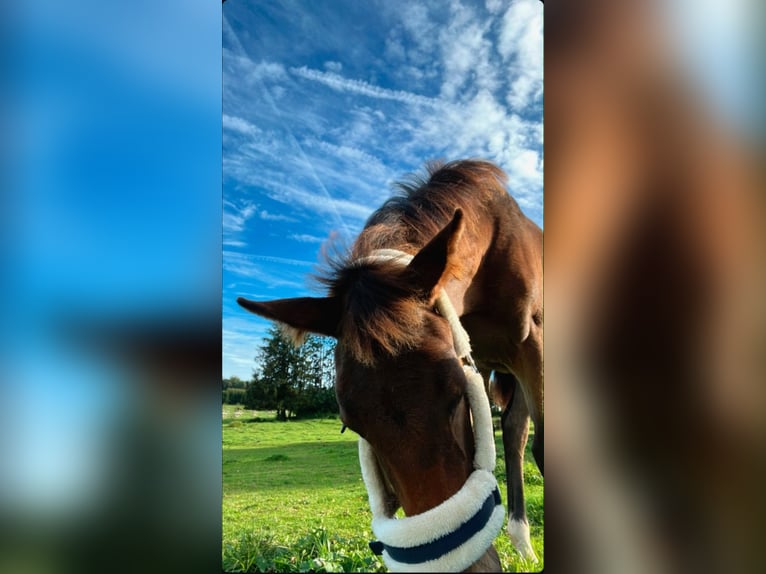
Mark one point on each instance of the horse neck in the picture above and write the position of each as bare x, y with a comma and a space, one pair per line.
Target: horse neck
486, 250
472, 250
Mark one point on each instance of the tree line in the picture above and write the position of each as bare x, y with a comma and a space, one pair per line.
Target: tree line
294, 382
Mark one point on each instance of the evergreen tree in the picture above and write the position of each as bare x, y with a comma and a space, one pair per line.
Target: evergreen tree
283, 372
293, 381
319, 352
258, 396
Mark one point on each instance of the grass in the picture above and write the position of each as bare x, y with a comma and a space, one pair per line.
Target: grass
294, 500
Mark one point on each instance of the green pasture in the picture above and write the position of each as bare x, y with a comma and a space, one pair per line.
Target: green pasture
294, 500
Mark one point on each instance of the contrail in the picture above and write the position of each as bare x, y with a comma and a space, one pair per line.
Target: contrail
302, 155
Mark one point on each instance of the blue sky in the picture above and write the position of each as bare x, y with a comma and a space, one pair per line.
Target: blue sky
113, 213
327, 103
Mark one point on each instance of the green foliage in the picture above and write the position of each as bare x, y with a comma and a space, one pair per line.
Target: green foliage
316, 551
234, 396
295, 382
234, 383
315, 401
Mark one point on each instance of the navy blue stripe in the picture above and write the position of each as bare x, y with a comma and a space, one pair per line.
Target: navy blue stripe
441, 546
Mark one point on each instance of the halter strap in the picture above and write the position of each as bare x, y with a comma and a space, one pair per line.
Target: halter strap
454, 534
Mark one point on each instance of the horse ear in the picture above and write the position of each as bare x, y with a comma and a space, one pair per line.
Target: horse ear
300, 315
437, 260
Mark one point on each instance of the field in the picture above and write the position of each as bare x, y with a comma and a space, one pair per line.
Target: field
294, 500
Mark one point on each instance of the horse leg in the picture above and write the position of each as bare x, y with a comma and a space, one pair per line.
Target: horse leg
530, 372
515, 423
537, 445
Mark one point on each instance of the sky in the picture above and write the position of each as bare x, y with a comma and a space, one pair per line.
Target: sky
112, 211
327, 103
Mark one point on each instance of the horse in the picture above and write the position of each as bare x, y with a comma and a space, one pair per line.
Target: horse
655, 251
455, 234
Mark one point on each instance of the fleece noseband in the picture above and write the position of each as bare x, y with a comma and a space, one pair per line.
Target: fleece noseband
456, 533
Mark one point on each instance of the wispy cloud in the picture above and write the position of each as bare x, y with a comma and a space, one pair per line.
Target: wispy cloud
268, 216
282, 260
235, 216
314, 135
239, 125
234, 220
306, 238
342, 84
520, 44
333, 66
466, 54
246, 266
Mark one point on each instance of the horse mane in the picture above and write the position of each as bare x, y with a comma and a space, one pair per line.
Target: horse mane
422, 205
383, 314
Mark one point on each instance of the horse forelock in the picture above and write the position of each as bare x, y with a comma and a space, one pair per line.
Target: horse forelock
382, 315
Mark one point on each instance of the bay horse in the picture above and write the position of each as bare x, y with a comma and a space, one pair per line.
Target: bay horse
399, 381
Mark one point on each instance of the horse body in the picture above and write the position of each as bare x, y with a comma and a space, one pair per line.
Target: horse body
497, 277
399, 382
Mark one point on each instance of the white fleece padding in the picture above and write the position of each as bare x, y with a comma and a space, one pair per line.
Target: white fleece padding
434, 523
460, 558
447, 517
484, 435
431, 524
459, 335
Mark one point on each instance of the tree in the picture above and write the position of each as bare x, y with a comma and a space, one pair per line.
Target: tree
258, 396
293, 381
283, 372
234, 383
234, 390
319, 353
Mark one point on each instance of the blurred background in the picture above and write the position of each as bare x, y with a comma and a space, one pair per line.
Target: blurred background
111, 276
111, 251
654, 279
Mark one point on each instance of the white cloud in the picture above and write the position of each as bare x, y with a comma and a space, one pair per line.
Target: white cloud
422, 29
354, 155
239, 125
265, 215
466, 54
306, 238
245, 265
235, 217
333, 66
282, 260
494, 6
250, 74
234, 221
342, 84
520, 43
394, 50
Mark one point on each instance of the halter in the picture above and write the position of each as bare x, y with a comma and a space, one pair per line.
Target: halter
457, 532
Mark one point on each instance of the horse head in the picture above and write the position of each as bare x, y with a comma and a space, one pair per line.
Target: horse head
402, 387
